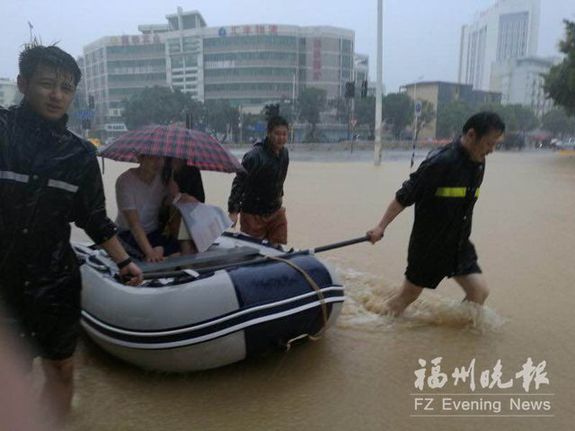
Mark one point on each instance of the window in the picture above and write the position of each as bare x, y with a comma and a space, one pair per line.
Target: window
249, 71
126, 50
253, 87
184, 61
256, 41
252, 56
346, 46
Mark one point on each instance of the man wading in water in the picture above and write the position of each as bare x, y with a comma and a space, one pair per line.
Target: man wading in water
444, 190
257, 194
49, 178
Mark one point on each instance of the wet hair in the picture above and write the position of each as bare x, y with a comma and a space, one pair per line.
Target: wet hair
277, 121
483, 123
35, 55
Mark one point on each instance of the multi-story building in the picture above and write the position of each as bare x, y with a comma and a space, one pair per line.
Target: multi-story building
520, 81
256, 64
507, 30
184, 57
115, 67
247, 65
9, 94
440, 94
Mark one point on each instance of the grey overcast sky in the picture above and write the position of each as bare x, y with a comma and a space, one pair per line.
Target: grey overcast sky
421, 37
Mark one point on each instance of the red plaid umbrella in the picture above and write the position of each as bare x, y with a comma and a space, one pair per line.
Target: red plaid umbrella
198, 148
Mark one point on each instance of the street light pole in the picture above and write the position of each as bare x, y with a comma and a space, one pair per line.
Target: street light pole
241, 125
293, 107
415, 121
379, 86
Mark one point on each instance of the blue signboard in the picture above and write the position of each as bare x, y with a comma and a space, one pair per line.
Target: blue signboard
86, 114
260, 127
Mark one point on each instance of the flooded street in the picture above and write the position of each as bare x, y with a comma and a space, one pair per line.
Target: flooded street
360, 376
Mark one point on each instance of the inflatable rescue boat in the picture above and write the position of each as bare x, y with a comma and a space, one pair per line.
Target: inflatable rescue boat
240, 298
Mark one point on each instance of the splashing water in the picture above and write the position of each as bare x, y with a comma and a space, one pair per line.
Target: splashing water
450, 312
367, 295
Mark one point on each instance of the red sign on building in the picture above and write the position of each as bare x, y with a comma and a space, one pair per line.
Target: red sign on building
316, 59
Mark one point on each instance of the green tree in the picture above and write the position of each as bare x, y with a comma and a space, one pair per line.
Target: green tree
221, 118
270, 110
365, 111
517, 118
560, 81
342, 108
558, 122
426, 117
397, 110
249, 122
451, 118
282, 108
311, 102
155, 105
194, 110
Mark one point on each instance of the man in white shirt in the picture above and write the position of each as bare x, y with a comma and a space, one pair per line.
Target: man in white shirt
140, 193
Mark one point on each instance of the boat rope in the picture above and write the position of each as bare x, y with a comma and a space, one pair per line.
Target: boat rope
315, 287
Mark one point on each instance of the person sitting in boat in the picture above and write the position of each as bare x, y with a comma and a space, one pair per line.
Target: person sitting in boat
140, 193
185, 186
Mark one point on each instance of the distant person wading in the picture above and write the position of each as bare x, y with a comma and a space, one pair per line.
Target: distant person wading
257, 194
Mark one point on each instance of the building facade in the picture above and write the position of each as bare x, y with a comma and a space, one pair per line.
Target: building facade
440, 94
248, 65
115, 67
9, 94
520, 81
507, 30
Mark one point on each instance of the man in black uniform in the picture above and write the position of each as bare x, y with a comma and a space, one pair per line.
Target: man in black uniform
49, 178
444, 189
257, 194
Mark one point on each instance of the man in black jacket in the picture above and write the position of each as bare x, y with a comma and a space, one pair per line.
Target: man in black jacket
444, 189
257, 194
49, 178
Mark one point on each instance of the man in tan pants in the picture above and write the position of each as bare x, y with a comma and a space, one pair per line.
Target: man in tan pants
257, 194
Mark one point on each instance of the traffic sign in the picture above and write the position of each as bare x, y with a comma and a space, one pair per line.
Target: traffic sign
85, 114
260, 127
418, 108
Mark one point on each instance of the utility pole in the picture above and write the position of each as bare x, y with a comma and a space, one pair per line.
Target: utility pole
379, 87
241, 125
293, 119
417, 106
349, 96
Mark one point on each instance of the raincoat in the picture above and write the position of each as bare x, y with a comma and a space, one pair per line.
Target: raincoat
49, 178
260, 190
444, 189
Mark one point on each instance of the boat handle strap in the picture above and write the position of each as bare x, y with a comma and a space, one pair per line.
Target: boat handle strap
315, 287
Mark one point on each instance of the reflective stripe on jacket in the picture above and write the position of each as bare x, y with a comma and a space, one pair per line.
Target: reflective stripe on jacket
444, 190
49, 178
